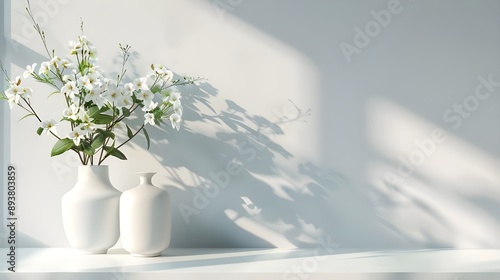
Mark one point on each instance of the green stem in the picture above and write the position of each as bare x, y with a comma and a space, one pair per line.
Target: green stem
108, 154
36, 26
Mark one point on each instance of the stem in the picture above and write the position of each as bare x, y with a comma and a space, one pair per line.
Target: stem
4, 71
133, 135
102, 152
107, 155
36, 26
132, 109
126, 56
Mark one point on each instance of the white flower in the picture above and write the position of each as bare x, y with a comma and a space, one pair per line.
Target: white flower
175, 119
159, 69
145, 96
95, 96
13, 95
149, 118
74, 47
13, 90
13, 100
83, 39
71, 112
83, 116
16, 81
66, 64
50, 126
150, 106
178, 110
30, 70
26, 92
44, 68
141, 83
175, 98
126, 101
76, 135
70, 89
93, 53
86, 128
56, 61
168, 76
85, 82
94, 79
128, 88
112, 94
67, 78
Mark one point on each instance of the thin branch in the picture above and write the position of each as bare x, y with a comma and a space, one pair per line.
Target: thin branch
37, 28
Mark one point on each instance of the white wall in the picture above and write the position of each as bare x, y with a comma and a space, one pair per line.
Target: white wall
325, 168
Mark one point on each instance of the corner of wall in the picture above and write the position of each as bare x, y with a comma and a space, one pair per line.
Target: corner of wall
4, 110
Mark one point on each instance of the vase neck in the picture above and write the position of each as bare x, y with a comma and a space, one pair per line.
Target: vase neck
93, 172
145, 178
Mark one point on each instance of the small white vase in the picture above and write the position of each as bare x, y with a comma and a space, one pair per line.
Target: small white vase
145, 218
90, 211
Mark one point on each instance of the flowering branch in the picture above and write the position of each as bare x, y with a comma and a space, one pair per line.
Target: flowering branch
94, 105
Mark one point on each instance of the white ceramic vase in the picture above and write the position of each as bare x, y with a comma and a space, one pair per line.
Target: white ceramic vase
145, 218
90, 211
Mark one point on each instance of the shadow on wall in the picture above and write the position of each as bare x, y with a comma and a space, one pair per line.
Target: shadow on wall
241, 197
250, 191
422, 212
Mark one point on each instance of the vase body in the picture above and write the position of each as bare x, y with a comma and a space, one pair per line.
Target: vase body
90, 211
145, 218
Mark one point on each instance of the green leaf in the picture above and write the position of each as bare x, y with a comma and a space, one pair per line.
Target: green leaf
115, 152
156, 89
61, 146
87, 148
126, 112
3, 97
129, 132
103, 119
100, 139
147, 137
28, 115
94, 111
97, 142
39, 131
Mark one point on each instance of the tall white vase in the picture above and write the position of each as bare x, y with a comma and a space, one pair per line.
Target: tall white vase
145, 218
90, 211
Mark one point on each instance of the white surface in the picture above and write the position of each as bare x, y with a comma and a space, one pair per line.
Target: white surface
286, 264
264, 260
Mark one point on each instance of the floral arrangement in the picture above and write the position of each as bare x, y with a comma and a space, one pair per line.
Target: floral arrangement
96, 104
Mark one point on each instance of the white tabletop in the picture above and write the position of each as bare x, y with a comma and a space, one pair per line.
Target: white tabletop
63, 263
